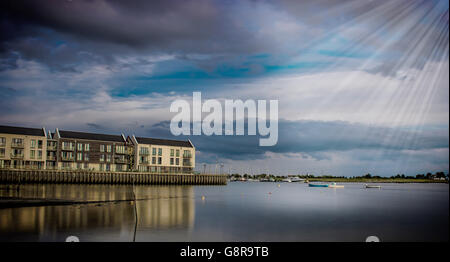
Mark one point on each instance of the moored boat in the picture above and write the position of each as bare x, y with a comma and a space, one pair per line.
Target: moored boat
372, 186
333, 185
318, 185
288, 180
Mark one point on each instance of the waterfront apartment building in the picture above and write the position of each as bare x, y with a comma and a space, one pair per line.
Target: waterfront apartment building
22, 147
162, 155
33, 148
90, 151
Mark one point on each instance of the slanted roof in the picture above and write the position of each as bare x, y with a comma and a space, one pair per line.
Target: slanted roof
163, 142
90, 136
22, 130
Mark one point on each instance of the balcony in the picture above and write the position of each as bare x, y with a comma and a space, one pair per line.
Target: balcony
187, 155
17, 156
68, 148
120, 161
51, 147
187, 163
67, 158
121, 153
53, 158
2, 144
144, 153
17, 145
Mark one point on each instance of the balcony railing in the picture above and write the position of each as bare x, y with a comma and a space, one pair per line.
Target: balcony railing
145, 153
51, 147
2, 144
187, 164
187, 155
68, 148
67, 158
17, 156
51, 157
15, 144
120, 160
121, 153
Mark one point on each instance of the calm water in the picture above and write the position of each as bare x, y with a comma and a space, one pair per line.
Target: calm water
240, 211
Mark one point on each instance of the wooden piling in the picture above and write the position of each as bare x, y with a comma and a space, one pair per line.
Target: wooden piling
92, 177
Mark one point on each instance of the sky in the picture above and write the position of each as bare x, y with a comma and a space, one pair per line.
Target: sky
363, 86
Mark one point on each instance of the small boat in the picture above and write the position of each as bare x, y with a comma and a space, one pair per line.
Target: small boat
333, 185
372, 186
297, 179
318, 185
288, 180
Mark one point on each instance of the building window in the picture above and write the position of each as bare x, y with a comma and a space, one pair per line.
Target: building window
178, 153
32, 154
2, 141
67, 145
102, 158
144, 151
67, 155
2, 152
154, 160
101, 167
159, 160
108, 158
120, 149
39, 156
154, 151
177, 161
33, 143
86, 166
108, 167
40, 144
17, 141
187, 153
86, 157
108, 148
159, 151
102, 148
172, 152
80, 147
86, 147
80, 156
171, 161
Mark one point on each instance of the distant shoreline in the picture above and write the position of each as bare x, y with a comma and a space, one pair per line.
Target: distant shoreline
376, 180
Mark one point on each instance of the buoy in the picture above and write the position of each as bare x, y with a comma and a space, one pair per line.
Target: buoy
203, 197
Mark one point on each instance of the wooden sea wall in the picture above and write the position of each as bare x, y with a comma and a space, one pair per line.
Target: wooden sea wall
93, 177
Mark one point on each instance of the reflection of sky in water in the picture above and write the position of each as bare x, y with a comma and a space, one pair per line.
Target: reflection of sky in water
236, 212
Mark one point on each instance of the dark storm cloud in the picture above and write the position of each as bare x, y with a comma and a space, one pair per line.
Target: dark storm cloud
196, 26
67, 34
314, 138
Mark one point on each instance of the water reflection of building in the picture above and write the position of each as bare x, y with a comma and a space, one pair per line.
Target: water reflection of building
172, 207
164, 207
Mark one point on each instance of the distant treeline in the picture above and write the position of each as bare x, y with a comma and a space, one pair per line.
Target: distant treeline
437, 175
